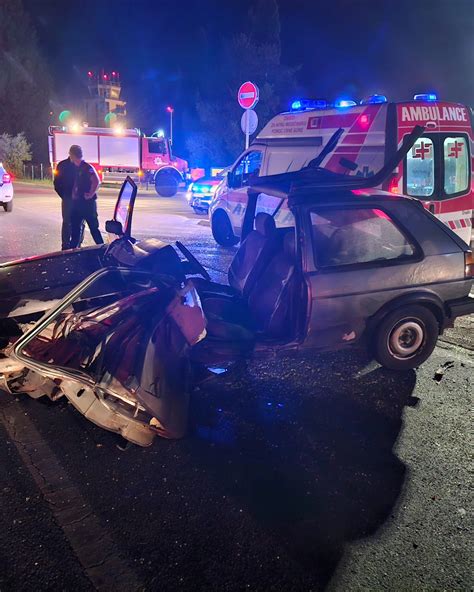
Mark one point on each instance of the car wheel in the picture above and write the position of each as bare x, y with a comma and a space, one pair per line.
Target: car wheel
166, 184
8, 207
222, 229
406, 337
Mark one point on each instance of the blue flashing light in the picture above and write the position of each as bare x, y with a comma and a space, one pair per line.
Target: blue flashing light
303, 104
375, 100
342, 103
426, 97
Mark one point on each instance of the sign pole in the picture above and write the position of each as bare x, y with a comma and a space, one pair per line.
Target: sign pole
247, 97
247, 132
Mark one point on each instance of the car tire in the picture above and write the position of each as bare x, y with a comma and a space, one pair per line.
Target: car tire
166, 184
8, 207
222, 230
405, 338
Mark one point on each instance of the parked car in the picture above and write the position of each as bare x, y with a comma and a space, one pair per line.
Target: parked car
6, 189
353, 265
200, 192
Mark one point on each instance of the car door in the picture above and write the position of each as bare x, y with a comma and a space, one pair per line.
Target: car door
249, 165
361, 258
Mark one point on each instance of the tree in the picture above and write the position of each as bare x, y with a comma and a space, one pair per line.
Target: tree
14, 152
25, 84
252, 55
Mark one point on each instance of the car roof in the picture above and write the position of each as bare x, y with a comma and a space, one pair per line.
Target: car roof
315, 183
318, 185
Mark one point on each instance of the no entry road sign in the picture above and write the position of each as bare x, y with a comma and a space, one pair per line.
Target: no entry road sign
248, 95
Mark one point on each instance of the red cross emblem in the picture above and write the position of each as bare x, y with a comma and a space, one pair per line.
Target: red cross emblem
455, 149
421, 150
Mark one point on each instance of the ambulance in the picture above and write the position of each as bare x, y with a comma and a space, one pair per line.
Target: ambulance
437, 170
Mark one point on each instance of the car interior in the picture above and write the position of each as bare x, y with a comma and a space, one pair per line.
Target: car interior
259, 301
263, 279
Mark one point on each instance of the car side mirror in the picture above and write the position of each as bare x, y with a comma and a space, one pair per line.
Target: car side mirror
114, 227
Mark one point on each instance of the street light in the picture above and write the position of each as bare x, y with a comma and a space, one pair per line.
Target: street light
170, 110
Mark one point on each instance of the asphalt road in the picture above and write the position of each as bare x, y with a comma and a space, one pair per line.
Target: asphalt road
322, 473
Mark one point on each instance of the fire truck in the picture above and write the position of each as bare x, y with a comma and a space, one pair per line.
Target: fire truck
116, 152
437, 170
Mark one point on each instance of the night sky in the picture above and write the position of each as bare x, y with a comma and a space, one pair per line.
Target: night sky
393, 47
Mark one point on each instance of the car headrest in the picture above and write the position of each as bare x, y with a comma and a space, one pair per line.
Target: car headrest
264, 224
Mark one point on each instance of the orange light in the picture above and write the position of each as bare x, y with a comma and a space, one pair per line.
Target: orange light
393, 187
469, 264
55, 172
140, 173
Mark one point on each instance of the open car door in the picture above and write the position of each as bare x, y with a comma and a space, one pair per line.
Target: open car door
121, 223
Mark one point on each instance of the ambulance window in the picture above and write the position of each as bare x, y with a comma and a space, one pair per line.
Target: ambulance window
420, 169
456, 165
249, 165
357, 235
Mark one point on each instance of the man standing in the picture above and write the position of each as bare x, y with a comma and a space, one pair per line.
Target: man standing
64, 178
84, 199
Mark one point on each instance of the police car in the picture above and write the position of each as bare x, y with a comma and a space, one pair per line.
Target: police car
201, 191
437, 170
6, 189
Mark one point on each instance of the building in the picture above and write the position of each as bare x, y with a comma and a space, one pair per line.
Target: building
104, 107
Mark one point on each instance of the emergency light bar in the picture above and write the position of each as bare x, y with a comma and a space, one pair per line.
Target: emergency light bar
374, 100
426, 97
342, 103
303, 104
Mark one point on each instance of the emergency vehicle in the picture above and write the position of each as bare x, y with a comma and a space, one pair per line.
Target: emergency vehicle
118, 152
437, 170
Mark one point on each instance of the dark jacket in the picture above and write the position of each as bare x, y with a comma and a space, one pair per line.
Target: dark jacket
83, 181
70, 179
64, 178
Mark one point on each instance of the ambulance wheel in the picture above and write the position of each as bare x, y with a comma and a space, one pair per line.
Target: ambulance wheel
166, 184
405, 338
222, 229
8, 207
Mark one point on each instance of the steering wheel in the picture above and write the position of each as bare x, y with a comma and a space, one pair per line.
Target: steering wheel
195, 266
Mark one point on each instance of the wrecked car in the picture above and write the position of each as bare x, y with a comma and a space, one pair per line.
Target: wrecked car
128, 329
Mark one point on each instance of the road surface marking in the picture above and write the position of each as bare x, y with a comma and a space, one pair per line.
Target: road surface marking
93, 547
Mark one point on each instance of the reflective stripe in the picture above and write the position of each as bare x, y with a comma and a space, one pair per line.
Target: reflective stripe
458, 224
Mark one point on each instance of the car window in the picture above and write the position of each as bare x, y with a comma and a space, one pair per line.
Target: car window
249, 165
456, 165
356, 235
276, 207
420, 176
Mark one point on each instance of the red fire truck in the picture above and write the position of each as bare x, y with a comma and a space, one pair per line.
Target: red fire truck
117, 151
437, 170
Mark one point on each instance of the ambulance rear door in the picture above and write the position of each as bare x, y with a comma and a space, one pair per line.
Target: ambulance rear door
438, 169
